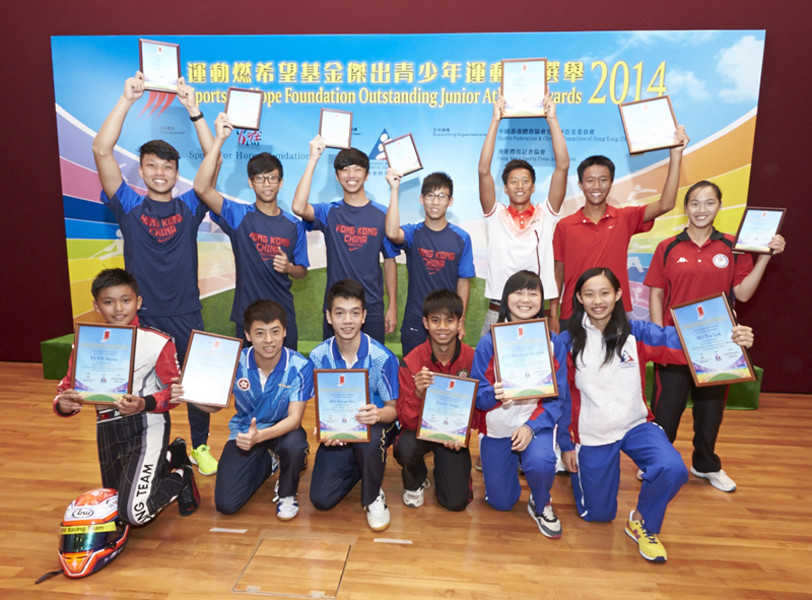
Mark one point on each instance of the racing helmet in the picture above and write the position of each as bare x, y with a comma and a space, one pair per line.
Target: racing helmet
91, 534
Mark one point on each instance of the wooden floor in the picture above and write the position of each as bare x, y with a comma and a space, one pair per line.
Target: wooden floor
755, 543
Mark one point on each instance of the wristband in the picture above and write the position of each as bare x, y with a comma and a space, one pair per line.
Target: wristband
196, 118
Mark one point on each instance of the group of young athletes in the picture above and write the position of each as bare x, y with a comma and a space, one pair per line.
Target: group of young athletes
577, 264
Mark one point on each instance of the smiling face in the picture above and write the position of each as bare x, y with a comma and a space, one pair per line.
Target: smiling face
524, 304
351, 178
346, 316
599, 298
160, 175
118, 304
596, 184
702, 206
436, 203
267, 339
266, 186
442, 328
519, 188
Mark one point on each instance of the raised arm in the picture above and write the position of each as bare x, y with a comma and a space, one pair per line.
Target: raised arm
108, 134
558, 181
390, 281
186, 96
393, 229
669, 195
300, 205
206, 177
555, 303
487, 188
747, 287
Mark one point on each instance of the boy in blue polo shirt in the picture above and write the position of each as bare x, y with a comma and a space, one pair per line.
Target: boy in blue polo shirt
354, 235
340, 466
438, 253
270, 245
160, 235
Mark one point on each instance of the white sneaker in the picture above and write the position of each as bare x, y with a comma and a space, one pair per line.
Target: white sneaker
415, 498
639, 474
718, 479
547, 521
378, 513
287, 508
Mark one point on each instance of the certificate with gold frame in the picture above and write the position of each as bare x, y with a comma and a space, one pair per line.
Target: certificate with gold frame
649, 124
244, 108
524, 85
447, 410
523, 359
160, 65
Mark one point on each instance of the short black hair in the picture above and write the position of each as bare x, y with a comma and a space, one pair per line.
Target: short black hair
701, 184
160, 149
111, 278
597, 159
443, 302
264, 162
264, 311
437, 181
346, 288
351, 156
518, 163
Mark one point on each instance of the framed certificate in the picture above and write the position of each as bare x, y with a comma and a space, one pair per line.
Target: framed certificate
160, 64
103, 361
339, 396
335, 127
524, 85
401, 154
649, 124
447, 411
244, 108
209, 368
523, 359
704, 328
757, 228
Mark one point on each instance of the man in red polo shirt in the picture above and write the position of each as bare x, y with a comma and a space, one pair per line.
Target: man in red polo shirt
598, 234
444, 353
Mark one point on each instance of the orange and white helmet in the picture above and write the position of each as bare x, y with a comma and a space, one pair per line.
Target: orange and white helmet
91, 534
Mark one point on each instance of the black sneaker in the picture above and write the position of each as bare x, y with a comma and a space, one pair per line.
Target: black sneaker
189, 497
177, 454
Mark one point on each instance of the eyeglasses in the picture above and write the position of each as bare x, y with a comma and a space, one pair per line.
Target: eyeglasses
259, 179
431, 196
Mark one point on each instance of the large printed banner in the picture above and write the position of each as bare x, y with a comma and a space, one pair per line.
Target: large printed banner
441, 89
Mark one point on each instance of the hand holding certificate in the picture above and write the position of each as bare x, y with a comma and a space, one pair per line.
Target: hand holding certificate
340, 396
523, 360
244, 108
524, 85
712, 342
649, 124
103, 362
209, 369
160, 64
335, 128
758, 228
448, 407
401, 154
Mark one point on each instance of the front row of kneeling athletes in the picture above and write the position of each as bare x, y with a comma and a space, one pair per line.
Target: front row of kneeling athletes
599, 362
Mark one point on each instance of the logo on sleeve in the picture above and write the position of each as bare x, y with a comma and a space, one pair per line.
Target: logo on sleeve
720, 261
243, 384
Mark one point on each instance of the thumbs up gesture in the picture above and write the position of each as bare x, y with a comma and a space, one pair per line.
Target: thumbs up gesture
245, 441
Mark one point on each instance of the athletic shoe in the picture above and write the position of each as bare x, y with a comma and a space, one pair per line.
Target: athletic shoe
274, 462
177, 454
415, 498
478, 463
287, 508
547, 521
206, 463
189, 497
718, 479
378, 513
639, 474
650, 547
